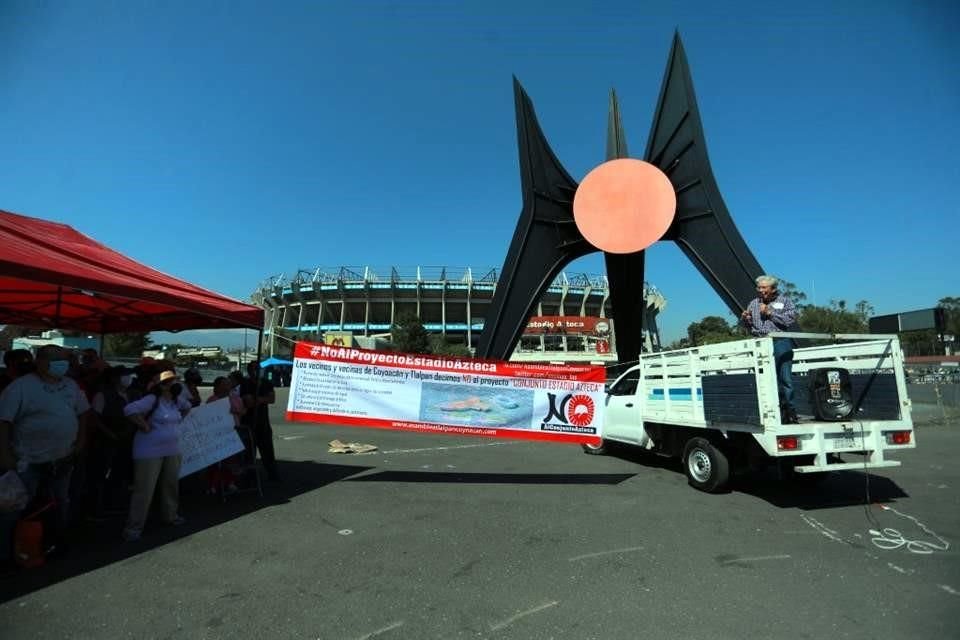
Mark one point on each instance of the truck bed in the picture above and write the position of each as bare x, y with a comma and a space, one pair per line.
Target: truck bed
731, 387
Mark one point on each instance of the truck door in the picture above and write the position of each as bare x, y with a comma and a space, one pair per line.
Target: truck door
622, 417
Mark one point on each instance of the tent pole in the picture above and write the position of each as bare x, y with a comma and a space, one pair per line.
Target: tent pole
56, 318
259, 355
103, 337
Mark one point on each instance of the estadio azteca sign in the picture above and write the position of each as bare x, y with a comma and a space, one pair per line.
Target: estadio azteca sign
589, 325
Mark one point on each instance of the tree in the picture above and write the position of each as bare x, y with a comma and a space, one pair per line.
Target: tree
865, 310
951, 307
710, 330
441, 347
834, 318
927, 342
791, 291
920, 343
126, 345
409, 335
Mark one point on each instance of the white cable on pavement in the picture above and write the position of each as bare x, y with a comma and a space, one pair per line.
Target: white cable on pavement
889, 539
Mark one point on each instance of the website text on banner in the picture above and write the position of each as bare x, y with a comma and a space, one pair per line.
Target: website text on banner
436, 394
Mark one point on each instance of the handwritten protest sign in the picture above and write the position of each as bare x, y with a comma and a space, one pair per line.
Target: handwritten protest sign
436, 394
207, 436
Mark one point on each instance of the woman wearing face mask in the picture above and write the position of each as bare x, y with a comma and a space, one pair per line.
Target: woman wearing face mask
43, 418
156, 452
110, 465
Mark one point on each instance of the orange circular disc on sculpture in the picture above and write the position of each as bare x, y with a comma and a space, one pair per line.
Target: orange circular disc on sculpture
624, 205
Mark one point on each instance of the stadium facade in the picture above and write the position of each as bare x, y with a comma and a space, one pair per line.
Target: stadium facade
570, 323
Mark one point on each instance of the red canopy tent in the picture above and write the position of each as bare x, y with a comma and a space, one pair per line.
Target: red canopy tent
54, 276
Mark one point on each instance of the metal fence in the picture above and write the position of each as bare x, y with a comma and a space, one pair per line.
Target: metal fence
936, 403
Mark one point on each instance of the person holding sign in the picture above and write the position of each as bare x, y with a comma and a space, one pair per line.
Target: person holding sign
156, 451
221, 475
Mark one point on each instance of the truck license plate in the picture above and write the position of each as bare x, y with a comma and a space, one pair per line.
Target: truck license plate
848, 441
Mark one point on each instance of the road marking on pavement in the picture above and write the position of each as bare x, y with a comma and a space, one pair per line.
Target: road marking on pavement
949, 590
605, 553
291, 437
782, 556
376, 633
823, 530
522, 614
459, 446
899, 569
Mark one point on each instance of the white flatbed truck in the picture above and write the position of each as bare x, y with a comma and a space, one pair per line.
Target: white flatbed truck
717, 408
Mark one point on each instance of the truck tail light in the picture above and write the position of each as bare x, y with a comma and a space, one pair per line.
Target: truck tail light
898, 437
788, 443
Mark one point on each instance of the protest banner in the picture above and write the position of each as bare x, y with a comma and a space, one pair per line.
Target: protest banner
207, 436
446, 395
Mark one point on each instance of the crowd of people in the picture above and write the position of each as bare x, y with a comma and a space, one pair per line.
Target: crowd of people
95, 440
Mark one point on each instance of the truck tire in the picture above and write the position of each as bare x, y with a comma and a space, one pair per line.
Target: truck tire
707, 468
595, 449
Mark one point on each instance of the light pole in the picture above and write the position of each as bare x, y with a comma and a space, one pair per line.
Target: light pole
244, 352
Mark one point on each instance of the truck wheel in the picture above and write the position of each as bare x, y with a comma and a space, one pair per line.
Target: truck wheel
707, 468
595, 449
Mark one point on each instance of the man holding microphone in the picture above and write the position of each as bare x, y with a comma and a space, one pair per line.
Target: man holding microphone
770, 312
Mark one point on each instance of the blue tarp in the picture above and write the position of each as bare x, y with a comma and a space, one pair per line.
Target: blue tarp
271, 361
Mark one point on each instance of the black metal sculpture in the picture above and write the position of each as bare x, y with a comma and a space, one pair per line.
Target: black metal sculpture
625, 271
547, 239
702, 227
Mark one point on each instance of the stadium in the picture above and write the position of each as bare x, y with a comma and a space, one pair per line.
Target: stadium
358, 305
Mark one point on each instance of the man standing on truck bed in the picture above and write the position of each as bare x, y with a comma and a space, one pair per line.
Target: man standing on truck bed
771, 311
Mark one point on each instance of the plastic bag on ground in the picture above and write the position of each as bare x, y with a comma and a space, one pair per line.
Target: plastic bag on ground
13, 493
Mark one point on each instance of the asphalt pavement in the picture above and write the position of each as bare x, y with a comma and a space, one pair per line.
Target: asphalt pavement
446, 537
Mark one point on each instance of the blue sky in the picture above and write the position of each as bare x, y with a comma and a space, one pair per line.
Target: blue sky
225, 142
